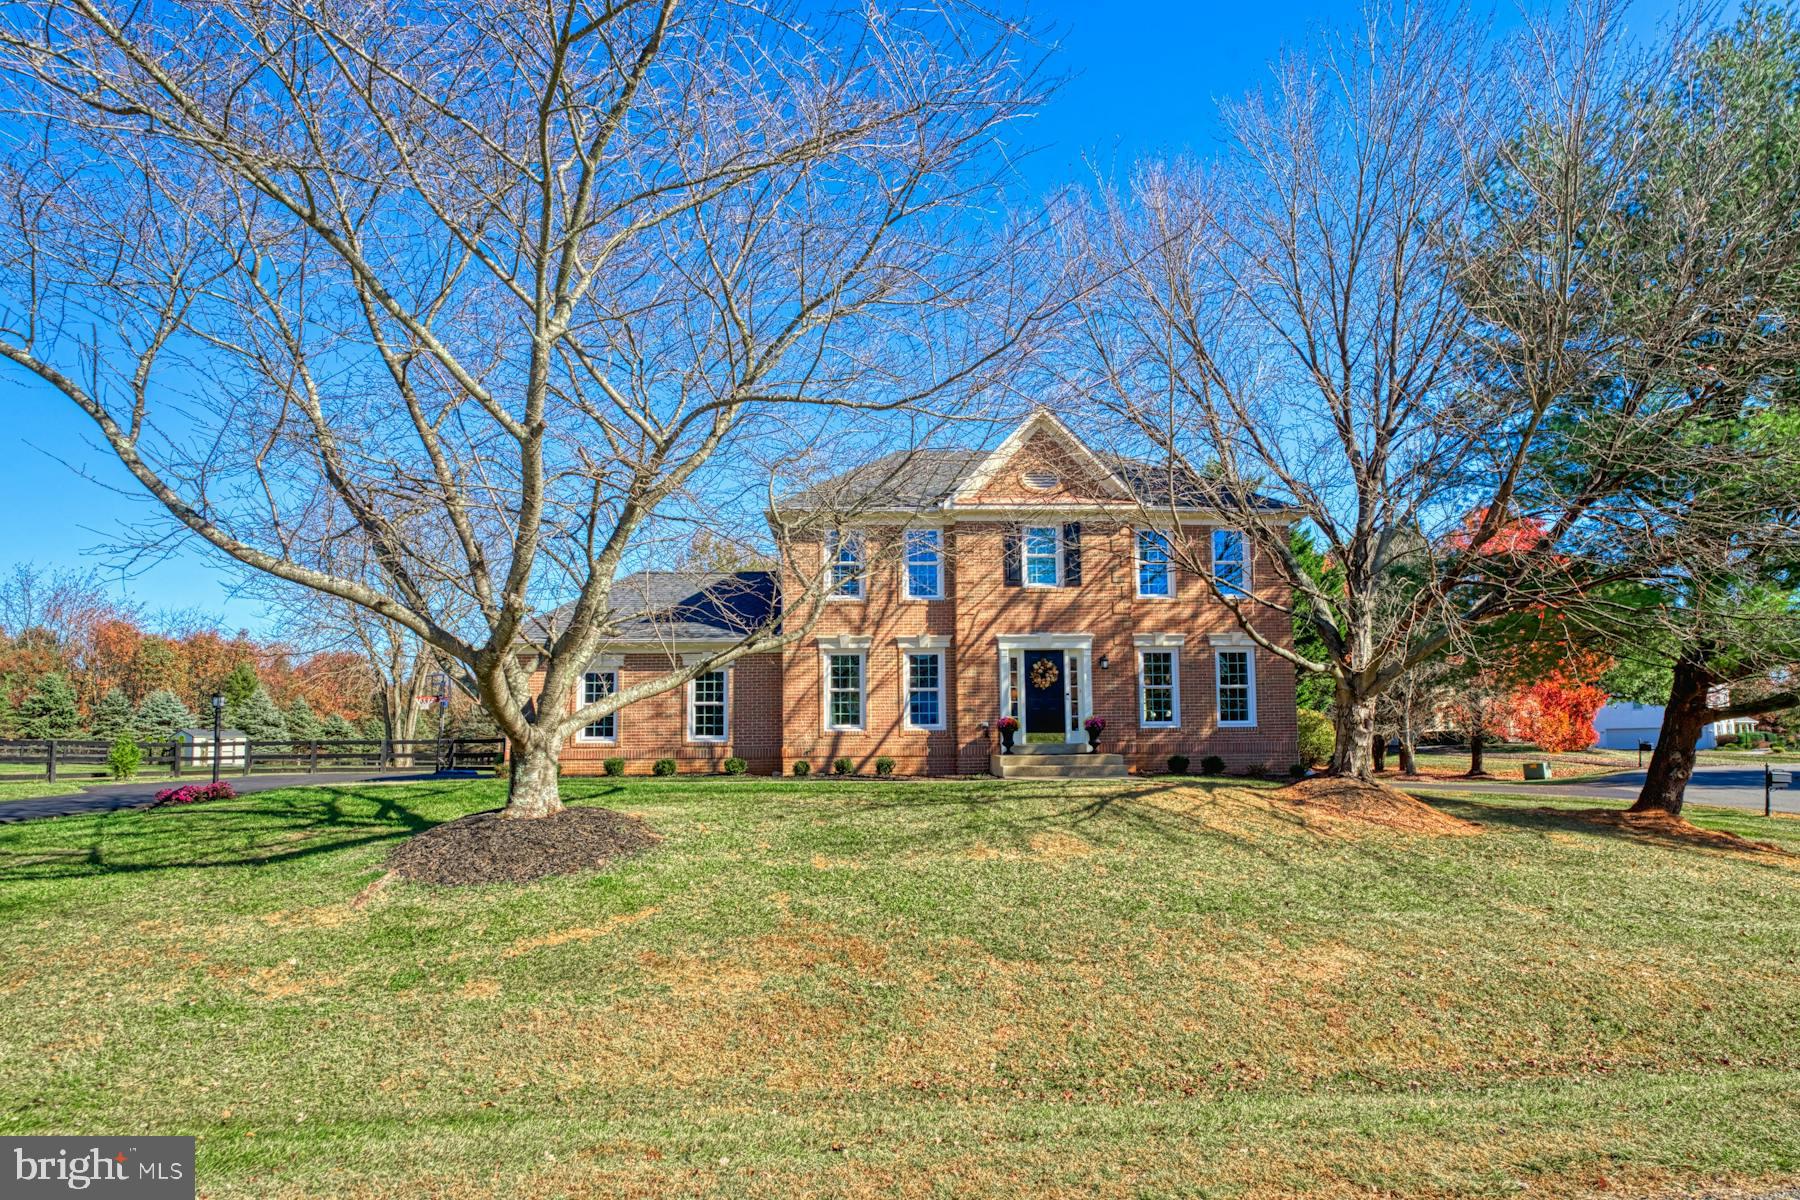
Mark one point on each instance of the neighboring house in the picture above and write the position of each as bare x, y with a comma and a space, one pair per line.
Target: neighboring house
1025, 581
1627, 725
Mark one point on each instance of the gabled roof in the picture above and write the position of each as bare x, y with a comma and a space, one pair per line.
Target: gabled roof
655, 607
920, 480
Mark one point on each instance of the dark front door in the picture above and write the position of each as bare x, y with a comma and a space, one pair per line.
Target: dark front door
1044, 691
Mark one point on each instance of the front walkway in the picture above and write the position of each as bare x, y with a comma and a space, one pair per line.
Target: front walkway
111, 797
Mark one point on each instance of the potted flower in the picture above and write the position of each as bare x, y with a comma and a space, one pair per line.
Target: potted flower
1007, 726
1094, 726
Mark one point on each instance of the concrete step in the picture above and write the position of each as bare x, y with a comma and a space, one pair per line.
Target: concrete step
1021, 748
1057, 766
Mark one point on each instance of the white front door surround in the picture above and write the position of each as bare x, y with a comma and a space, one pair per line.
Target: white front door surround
1079, 649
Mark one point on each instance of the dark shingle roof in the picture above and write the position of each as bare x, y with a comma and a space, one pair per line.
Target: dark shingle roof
664, 606
903, 479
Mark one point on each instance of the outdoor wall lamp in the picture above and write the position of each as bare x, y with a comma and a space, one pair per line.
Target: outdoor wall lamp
1103, 662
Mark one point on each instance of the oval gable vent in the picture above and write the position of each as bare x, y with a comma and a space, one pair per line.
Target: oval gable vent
1040, 481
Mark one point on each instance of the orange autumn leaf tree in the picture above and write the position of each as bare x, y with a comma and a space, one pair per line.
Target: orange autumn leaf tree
1556, 713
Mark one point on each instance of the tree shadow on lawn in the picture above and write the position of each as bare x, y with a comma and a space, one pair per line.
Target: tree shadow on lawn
248, 832
1610, 821
1015, 812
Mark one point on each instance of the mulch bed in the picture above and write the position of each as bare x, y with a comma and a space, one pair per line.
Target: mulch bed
1667, 827
1373, 804
486, 848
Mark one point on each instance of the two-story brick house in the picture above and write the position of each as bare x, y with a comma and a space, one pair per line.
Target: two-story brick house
1034, 580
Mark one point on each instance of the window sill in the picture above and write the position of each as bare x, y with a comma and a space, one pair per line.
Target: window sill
1159, 724
846, 729
1237, 724
583, 740
707, 741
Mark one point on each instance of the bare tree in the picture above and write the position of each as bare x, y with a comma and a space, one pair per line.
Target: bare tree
506, 291
1371, 309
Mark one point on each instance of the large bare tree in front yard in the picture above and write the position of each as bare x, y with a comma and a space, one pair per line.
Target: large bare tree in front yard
1402, 273
506, 294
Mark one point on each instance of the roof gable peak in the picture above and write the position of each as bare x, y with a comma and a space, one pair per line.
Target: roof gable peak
1041, 420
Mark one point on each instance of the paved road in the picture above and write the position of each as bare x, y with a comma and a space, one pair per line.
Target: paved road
110, 797
1728, 785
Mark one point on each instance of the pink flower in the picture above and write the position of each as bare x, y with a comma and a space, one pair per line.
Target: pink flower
1094, 724
1007, 724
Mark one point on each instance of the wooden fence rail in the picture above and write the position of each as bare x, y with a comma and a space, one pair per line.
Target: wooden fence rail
64, 755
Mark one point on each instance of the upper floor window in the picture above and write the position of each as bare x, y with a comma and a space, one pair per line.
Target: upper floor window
1237, 687
845, 553
596, 686
1230, 561
924, 564
706, 707
1153, 563
1043, 556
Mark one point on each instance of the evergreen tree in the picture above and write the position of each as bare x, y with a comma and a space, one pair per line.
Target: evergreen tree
239, 686
50, 712
9, 715
257, 718
302, 725
1311, 690
114, 718
162, 714
372, 727
336, 729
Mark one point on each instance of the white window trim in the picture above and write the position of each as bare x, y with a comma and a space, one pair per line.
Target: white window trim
834, 543
1248, 650
906, 565
1025, 556
943, 687
1160, 644
1137, 565
710, 740
861, 654
1212, 545
582, 735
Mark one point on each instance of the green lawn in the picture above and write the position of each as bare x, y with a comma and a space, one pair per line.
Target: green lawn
26, 789
947, 989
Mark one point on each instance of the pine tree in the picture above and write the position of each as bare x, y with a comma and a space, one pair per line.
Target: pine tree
302, 725
239, 686
114, 718
336, 729
50, 712
162, 715
372, 728
9, 715
257, 718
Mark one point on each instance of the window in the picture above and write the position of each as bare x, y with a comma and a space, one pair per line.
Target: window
1043, 556
1153, 563
844, 550
1230, 567
1158, 698
1237, 688
843, 691
706, 707
597, 685
924, 564
925, 690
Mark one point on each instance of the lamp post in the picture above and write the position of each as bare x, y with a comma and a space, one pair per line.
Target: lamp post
218, 705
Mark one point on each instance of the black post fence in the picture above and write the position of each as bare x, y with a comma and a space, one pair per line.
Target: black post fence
60, 759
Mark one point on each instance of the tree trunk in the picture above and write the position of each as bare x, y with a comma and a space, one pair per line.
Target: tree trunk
536, 767
1353, 723
1478, 754
1378, 751
1409, 762
1672, 762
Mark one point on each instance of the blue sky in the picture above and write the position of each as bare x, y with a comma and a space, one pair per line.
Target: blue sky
1144, 78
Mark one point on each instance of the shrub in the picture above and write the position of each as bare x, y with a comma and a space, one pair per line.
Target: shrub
613, 766
735, 765
664, 766
1297, 771
124, 758
843, 766
1317, 740
193, 793
884, 765
1212, 764
1178, 764
802, 767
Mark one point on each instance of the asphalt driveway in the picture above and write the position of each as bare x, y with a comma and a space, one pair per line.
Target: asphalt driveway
1728, 786
110, 797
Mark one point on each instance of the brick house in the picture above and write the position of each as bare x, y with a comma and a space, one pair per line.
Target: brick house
1028, 580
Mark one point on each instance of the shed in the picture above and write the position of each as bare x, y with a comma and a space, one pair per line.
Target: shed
197, 746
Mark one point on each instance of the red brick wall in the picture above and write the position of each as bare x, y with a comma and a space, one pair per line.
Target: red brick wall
657, 727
